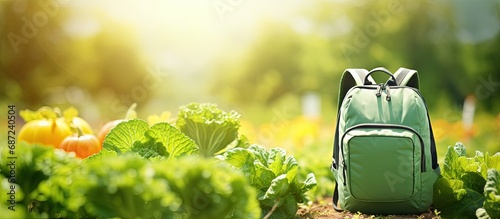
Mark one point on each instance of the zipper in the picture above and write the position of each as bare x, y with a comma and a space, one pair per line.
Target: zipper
392, 87
379, 87
388, 97
368, 125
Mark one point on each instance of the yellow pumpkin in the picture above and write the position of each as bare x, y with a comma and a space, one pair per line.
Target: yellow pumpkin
45, 131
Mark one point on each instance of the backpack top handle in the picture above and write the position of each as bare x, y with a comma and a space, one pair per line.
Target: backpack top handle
392, 81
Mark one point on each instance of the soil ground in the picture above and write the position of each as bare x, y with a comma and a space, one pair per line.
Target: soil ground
324, 210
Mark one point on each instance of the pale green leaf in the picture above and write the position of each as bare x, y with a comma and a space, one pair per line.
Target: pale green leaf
275, 161
211, 128
173, 143
260, 153
459, 148
482, 214
122, 137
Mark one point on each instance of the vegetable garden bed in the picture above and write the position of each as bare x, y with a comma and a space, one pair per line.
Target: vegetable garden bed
199, 166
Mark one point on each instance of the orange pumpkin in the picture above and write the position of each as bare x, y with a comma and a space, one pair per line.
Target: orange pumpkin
83, 145
45, 131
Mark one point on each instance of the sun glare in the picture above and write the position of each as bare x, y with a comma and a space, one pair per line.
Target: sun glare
194, 30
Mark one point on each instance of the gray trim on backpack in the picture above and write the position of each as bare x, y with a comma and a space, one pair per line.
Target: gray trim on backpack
407, 77
350, 78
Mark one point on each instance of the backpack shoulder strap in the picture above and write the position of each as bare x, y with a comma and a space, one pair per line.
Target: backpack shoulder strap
336, 199
350, 78
407, 77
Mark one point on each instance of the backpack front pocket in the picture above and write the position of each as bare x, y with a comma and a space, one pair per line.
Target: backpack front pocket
382, 162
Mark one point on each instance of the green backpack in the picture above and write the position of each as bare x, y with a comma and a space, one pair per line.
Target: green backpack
384, 154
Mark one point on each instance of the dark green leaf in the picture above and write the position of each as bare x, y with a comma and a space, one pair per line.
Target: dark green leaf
454, 200
473, 181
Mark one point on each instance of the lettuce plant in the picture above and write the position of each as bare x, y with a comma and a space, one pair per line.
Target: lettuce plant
130, 186
54, 184
36, 165
466, 183
274, 175
211, 128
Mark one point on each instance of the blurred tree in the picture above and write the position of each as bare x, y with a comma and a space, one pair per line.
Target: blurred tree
271, 69
46, 48
280, 62
310, 53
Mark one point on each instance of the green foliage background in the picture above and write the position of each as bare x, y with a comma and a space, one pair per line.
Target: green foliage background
453, 47
256, 58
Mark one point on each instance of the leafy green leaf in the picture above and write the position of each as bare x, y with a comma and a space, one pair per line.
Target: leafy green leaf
291, 167
451, 167
492, 161
243, 142
239, 158
459, 148
176, 142
454, 200
122, 137
289, 205
278, 187
103, 154
265, 178
473, 181
160, 140
276, 158
211, 128
260, 153
165, 140
492, 193
456, 163
310, 182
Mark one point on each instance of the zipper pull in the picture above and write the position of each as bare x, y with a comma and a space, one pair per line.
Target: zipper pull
379, 87
387, 91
